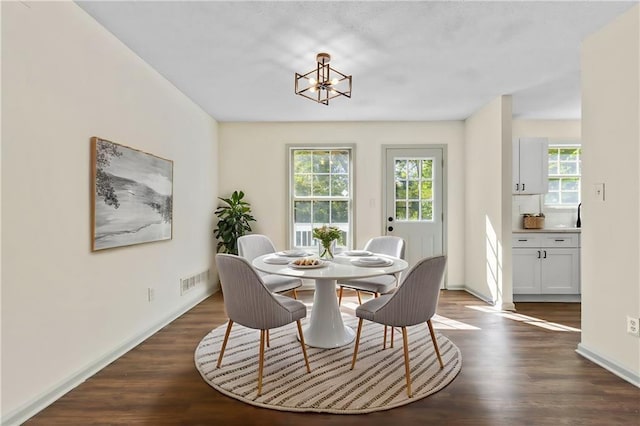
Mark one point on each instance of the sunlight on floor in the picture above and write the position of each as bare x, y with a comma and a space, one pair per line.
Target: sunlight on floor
525, 319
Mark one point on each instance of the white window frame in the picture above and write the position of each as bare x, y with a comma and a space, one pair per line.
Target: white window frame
291, 232
566, 145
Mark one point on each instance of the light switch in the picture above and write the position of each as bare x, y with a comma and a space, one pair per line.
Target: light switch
598, 191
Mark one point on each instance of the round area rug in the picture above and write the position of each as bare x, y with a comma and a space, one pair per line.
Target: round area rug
376, 383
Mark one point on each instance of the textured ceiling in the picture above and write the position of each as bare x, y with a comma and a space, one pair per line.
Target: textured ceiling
418, 60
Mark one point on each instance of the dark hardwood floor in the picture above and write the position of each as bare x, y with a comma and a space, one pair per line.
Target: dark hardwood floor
516, 370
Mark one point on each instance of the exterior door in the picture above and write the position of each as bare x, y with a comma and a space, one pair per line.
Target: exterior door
414, 196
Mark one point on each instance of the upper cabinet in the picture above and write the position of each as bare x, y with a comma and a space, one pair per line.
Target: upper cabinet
530, 164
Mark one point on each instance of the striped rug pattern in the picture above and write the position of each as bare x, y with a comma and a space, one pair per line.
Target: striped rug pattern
376, 383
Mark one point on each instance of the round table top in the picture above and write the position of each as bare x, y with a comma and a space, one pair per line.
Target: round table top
339, 268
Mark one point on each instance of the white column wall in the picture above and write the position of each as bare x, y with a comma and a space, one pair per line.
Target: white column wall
611, 154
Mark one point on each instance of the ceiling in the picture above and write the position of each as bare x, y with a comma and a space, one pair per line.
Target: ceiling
418, 60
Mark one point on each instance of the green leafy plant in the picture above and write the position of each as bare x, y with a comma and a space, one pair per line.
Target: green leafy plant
233, 222
326, 235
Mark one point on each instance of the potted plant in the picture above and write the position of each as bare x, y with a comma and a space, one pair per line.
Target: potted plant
327, 235
233, 222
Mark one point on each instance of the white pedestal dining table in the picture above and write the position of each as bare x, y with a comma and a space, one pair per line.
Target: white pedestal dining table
326, 328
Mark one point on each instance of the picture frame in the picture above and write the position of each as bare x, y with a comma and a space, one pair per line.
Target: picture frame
131, 196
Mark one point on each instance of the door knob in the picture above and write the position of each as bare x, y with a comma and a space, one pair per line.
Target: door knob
390, 228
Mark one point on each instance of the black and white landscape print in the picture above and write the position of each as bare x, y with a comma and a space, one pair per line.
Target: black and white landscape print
133, 196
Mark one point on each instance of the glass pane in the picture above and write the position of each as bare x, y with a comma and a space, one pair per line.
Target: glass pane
339, 186
552, 198
568, 169
568, 154
414, 189
554, 184
553, 155
401, 169
339, 212
401, 190
339, 162
426, 192
427, 210
412, 169
414, 210
553, 168
570, 197
302, 185
321, 185
320, 212
401, 210
570, 184
427, 169
320, 161
302, 212
302, 162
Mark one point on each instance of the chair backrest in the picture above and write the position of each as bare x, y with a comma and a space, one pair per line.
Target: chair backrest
254, 245
388, 244
246, 299
415, 301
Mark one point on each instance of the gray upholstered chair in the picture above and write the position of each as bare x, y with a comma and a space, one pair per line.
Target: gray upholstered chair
249, 303
255, 245
388, 245
413, 303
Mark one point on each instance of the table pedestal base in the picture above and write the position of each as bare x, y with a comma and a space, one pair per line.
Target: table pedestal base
326, 328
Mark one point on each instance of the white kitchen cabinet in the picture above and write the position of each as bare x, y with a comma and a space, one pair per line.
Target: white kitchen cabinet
546, 263
530, 166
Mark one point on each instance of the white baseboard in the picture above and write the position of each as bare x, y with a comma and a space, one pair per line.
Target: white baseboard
46, 398
609, 365
480, 296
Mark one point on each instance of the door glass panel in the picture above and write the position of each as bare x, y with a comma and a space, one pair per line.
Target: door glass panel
414, 189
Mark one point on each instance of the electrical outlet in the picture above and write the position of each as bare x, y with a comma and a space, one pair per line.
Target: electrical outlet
151, 294
633, 326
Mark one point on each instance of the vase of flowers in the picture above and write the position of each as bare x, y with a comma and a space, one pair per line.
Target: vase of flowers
327, 235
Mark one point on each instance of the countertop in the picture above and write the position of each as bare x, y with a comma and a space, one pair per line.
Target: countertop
548, 230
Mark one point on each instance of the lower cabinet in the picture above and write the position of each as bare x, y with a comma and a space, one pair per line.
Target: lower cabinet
546, 263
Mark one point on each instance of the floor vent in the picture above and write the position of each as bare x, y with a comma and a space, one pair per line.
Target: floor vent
189, 283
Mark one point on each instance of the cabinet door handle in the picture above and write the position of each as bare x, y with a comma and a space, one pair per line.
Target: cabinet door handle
525, 240
559, 240
538, 254
517, 187
545, 254
523, 186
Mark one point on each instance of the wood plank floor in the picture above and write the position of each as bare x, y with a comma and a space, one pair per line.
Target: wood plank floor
516, 370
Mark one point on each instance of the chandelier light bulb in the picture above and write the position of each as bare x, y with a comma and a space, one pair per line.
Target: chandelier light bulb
312, 81
334, 81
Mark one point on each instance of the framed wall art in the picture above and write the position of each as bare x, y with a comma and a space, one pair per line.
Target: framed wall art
132, 196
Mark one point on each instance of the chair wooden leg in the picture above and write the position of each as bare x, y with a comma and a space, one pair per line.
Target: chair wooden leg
435, 343
355, 350
359, 298
261, 362
304, 349
267, 334
384, 341
407, 370
340, 295
392, 329
376, 295
224, 343
295, 294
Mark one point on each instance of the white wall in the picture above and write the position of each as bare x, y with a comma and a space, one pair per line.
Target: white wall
255, 161
488, 203
611, 243
64, 308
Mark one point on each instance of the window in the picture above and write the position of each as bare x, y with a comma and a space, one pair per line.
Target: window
564, 175
321, 193
414, 189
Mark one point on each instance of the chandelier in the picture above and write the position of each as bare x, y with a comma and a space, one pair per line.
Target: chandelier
323, 83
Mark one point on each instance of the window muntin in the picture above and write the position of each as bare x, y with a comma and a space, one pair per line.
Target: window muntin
413, 192
321, 193
565, 168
